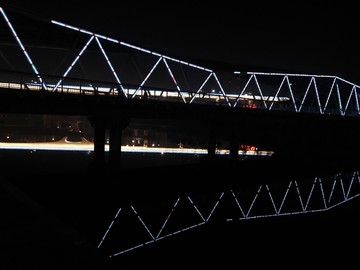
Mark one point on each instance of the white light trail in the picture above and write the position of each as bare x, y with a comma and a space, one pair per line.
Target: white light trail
84, 145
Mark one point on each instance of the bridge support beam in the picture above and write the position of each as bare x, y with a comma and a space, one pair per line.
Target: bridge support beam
115, 136
115, 124
234, 146
234, 149
211, 147
99, 140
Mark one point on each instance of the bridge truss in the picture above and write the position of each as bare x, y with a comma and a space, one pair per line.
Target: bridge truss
118, 67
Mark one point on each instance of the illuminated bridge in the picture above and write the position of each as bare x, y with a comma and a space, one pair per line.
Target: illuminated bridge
115, 83
68, 70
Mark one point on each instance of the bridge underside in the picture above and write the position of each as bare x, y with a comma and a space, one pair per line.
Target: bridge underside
303, 136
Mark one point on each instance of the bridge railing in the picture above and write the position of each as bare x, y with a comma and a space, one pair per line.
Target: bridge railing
317, 95
11, 80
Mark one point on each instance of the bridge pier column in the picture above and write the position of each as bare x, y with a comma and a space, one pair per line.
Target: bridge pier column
99, 140
234, 149
115, 124
115, 135
116, 127
211, 147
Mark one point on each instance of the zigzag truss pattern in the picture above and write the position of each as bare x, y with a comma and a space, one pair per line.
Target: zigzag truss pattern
137, 225
323, 94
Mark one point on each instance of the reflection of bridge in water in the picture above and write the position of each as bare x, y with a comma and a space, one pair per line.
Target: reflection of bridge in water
145, 222
291, 114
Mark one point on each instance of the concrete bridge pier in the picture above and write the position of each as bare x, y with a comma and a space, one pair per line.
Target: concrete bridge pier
234, 148
99, 125
114, 125
211, 145
117, 125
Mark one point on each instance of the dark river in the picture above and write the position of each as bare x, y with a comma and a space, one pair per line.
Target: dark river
159, 211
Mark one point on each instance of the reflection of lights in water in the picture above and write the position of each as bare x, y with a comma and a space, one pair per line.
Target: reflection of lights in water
84, 145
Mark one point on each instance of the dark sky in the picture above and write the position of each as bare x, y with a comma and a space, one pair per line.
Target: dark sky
314, 38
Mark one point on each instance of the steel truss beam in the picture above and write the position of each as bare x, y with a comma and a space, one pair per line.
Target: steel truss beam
323, 94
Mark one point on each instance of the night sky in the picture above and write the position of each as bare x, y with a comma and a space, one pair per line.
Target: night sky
312, 38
